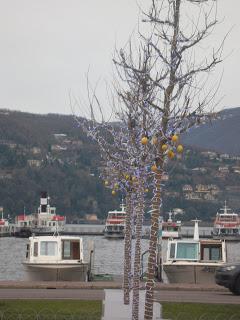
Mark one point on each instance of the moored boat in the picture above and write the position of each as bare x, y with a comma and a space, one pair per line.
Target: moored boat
55, 258
6, 228
44, 222
226, 225
170, 228
115, 223
194, 260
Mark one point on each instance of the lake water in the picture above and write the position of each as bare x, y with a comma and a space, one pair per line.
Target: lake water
108, 255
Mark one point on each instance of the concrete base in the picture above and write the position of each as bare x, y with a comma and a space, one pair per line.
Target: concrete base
114, 309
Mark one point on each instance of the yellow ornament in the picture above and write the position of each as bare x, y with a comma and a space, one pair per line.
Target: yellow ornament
164, 147
134, 178
154, 140
106, 183
126, 176
146, 190
154, 168
115, 185
179, 148
170, 154
113, 192
144, 140
174, 138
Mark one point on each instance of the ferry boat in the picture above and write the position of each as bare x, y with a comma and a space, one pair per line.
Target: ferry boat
115, 223
170, 228
6, 229
55, 258
226, 225
44, 222
194, 260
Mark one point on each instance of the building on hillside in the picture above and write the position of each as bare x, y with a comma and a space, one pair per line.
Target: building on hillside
209, 154
192, 196
224, 156
224, 169
165, 177
36, 150
201, 188
237, 158
58, 148
5, 174
34, 163
201, 170
209, 197
187, 188
60, 136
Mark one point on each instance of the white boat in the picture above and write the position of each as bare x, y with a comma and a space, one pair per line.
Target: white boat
43, 222
6, 229
115, 223
55, 258
170, 228
226, 225
194, 260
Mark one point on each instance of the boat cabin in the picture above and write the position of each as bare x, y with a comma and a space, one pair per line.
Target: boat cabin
199, 251
54, 248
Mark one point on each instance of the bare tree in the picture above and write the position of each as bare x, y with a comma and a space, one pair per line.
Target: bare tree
161, 91
175, 96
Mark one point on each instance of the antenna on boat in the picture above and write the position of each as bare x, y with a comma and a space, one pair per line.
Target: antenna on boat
170, 216
122, 205
196, 230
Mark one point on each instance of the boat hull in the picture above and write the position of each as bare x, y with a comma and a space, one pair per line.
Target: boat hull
196, 274
56, 272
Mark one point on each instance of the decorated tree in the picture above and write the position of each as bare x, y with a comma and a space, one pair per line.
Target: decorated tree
177, 93
162, 90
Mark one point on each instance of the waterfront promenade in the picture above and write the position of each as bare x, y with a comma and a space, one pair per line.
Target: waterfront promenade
95, 291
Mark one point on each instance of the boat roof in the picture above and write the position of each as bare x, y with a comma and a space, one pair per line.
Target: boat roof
202, 241
54, 237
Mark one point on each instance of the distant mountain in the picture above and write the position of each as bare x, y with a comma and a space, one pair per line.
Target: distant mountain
222, 135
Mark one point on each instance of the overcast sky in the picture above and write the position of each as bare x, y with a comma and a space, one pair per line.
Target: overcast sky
47, 46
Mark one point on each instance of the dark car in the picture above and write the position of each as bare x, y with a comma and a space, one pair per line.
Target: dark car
229, 276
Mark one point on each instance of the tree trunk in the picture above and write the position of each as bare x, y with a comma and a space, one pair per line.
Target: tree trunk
152, 248
127, 249
137, 257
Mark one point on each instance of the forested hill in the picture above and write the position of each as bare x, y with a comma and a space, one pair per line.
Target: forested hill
51, 153
221, 135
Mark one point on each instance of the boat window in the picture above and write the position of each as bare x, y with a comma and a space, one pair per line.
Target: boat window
35, 249
71, 250
48, 248
172, 250
187, 251
66, 249
213, 252
27, 253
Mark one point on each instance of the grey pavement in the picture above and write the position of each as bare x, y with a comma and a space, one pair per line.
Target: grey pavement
165, 293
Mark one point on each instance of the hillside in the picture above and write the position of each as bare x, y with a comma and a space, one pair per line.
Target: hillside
221, 135
49, 152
